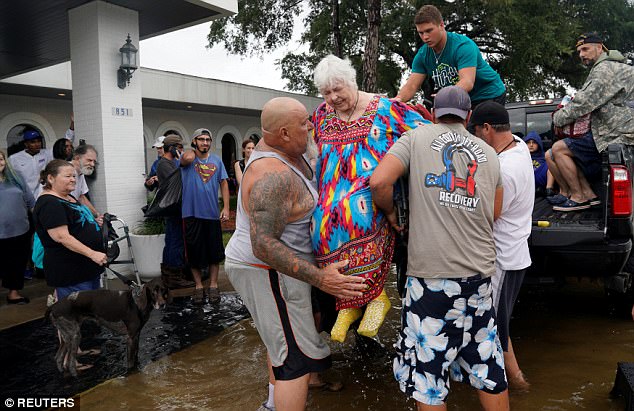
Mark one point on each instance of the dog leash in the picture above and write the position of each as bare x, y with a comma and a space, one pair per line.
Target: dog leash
136, 288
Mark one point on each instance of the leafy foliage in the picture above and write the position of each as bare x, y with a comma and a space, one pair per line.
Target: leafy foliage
529, 42
150, 226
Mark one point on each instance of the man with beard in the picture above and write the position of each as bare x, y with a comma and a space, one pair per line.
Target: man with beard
202, 174
85, 160
30, 161
608, 94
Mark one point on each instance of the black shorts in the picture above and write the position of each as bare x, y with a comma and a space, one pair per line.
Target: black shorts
203, 242
511, 283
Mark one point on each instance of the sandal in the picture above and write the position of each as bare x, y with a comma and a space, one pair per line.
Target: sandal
556, 199
334, 386
571, 205
18, 301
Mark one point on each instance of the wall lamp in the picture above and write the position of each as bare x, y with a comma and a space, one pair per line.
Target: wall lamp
128, 63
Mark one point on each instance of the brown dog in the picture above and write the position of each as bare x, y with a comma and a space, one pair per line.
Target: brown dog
120, 311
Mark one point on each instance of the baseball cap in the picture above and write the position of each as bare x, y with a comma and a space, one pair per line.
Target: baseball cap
200, 132
31, 135
589, 38
159, 142
452, 100
172, 140
489, 112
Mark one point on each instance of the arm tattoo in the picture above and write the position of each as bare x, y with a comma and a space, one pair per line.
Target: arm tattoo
269, 212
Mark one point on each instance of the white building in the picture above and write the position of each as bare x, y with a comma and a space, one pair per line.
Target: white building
120, 123
42, 100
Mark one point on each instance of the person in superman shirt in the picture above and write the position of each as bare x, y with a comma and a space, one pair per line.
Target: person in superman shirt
202, 174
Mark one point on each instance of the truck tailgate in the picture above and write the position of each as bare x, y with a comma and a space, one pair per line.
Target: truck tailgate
565, 229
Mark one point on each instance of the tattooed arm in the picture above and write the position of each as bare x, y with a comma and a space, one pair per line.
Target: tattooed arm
270, 212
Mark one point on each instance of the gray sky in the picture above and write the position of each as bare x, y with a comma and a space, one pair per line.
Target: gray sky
184, 51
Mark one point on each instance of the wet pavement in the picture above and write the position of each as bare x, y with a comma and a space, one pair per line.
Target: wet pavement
27, 351
568, 341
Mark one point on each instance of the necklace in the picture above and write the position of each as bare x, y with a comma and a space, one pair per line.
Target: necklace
506, 146
353, 108
204, 160
438, 56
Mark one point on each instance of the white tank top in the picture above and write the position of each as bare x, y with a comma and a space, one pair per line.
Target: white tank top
296, 235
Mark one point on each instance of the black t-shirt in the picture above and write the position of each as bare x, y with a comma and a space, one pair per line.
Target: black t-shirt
62, 266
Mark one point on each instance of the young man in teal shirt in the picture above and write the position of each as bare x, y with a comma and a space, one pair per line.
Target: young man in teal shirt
450, 59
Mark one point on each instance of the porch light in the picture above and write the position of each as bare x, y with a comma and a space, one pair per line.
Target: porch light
128, 63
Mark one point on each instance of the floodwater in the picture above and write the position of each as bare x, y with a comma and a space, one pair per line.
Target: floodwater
568, 342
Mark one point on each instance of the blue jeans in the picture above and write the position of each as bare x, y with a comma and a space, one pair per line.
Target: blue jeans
173, 250
63, 292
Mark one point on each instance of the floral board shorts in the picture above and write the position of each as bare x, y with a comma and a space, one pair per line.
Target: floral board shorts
448, 329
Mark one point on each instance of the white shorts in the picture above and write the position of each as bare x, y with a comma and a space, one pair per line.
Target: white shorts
281, 309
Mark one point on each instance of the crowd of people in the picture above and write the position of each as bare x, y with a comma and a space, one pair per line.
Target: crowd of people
471, 196
317, 257
45, 214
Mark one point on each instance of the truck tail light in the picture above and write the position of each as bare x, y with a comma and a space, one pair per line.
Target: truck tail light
621, 191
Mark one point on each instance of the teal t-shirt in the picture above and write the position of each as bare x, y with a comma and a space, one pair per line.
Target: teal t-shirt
459, 52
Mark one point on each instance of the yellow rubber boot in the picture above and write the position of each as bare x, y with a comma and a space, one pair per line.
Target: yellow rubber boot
344, 319
374, 316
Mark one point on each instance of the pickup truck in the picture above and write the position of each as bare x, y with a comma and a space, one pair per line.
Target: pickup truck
590, 243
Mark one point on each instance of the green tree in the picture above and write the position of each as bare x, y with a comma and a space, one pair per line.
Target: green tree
529, 42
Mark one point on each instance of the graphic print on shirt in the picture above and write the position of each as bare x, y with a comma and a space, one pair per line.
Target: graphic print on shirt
205, 171
84, 215
445, 75
536, 164
451, 145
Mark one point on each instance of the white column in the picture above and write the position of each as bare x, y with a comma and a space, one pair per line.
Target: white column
97, 31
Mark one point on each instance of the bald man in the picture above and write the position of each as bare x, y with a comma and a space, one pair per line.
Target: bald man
269, 259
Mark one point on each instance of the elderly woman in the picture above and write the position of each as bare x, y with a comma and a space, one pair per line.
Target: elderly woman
15, 238
247, 148
353, 131
72, 239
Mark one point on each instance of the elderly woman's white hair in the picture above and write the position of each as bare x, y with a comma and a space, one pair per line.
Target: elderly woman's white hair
332, 70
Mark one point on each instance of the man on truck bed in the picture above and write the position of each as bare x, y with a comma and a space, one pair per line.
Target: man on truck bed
450, 59
607, 93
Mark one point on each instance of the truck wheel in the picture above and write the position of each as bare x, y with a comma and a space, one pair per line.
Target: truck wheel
619, 293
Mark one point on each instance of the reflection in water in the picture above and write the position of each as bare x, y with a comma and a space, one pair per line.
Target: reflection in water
27, 351
566, 343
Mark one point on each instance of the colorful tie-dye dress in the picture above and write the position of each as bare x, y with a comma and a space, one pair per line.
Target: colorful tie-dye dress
346, 224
